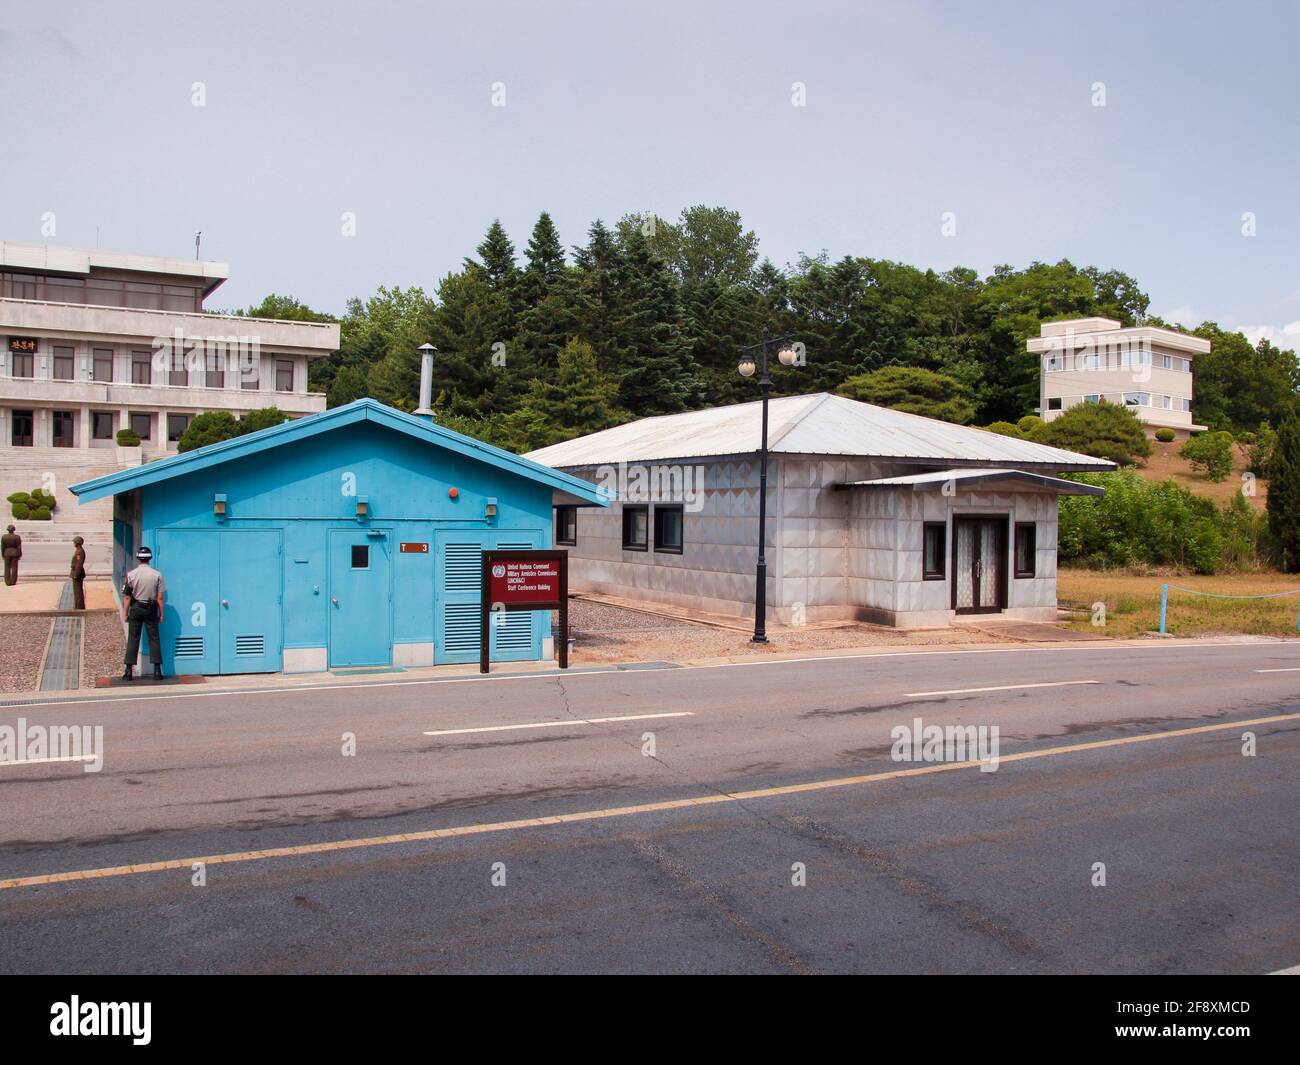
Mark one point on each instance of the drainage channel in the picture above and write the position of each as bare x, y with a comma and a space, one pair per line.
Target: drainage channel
62, 669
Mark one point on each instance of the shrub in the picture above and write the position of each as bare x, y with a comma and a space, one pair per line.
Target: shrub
1029, 423
914, 390
40, 514
128, 438
30, 505
1165, 435
20, 511
214, 426
1211, 453
1103, 430
20, 497
1005, 429
1159, 523
1261, 450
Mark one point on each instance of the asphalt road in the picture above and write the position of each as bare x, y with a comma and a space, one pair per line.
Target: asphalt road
758, 775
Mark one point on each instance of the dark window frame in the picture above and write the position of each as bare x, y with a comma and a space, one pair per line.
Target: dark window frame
941, 573
98, 357
664, 508
131, 418
20, 361
173, 414
98, 417
283, 366
66, 354
142, 359
1029, 530
562, 514
67, 418
365, 554
628, 510
27, 439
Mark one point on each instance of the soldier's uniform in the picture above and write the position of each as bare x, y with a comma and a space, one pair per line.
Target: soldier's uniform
11, 546
78, 574
143, 591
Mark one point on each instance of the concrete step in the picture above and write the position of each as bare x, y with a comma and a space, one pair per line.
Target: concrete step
43, 559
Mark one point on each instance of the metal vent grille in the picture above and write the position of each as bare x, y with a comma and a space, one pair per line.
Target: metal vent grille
189, 647
514, 631
462, 627
464, 569
515, 547
250, 645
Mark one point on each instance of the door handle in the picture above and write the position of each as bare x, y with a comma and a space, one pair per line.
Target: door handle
225, 602
334, 600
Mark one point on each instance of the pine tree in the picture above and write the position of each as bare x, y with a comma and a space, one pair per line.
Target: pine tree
546, 297
658, 375
1284, 495
572, 400
596, 295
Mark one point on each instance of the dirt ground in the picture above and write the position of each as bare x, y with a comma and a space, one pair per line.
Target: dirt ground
605, 633
1165, 462
102, 644
21, 649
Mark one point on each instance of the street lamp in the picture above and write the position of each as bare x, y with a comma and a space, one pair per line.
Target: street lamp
787, 356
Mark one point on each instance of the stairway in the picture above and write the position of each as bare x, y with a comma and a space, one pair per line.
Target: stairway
47, 545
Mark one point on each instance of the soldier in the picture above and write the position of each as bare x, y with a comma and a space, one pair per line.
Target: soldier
142, 596
11, 546
78, 574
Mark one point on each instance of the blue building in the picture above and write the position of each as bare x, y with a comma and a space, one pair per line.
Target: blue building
349, 538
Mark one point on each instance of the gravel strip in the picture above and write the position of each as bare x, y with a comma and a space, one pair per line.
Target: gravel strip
102, 644
21, 649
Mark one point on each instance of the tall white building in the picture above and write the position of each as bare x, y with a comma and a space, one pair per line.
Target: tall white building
1151, 370
92, 342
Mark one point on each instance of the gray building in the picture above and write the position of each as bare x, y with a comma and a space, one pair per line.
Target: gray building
873, 514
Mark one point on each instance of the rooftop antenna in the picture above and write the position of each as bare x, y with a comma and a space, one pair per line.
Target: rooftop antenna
97, 237
198, 238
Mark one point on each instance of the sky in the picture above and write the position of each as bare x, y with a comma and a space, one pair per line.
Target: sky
1145, 137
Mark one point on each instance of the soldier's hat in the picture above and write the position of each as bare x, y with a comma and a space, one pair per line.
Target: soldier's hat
144, 554
78, 540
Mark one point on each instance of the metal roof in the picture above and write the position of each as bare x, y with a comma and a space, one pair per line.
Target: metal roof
820, 424
361, 410
927, 482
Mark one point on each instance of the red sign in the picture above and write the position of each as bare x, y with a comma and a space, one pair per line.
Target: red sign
409, 548
517, 580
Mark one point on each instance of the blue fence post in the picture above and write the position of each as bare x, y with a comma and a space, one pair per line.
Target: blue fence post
1297, 621
1164, 607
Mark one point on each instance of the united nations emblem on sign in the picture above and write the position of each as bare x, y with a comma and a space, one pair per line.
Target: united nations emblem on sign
498, 571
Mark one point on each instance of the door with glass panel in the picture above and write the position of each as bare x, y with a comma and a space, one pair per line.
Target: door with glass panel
979, 549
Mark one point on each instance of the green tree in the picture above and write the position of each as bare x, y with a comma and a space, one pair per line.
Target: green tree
1284, 495
704, 244
1103, 430
214, 426
574, 399
1211, 453
913, 390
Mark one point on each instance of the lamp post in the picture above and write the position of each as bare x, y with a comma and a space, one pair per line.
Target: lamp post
786, 355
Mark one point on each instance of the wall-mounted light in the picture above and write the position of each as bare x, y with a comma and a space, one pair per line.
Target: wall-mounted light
453, 493
363, 508
219, 506
490, 508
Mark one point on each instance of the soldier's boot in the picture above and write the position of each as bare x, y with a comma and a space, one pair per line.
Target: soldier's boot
157, 672
129, 674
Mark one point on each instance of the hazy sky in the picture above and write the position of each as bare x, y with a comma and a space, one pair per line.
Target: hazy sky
984, 109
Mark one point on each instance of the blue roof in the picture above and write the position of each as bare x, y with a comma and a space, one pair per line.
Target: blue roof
361, 410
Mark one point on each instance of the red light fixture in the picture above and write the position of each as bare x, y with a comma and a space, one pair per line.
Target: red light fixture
453, 493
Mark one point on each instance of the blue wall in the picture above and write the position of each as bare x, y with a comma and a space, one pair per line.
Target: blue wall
307, 488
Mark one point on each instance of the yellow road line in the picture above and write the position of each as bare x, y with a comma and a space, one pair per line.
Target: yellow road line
617, 811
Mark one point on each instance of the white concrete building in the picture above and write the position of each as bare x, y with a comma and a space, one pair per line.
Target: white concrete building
92, 342
872, 514
1151, 370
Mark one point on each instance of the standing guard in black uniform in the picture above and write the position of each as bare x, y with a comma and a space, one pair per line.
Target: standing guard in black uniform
142, 596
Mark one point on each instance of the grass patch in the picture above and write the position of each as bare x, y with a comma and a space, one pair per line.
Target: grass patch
1133, 603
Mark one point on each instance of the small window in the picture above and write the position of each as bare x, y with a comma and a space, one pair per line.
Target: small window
101, 422
1026, 548
63, 363
1092, 399
668, 529
141, 367
566, 525
21, 363
283, 375
20, 434
176, 426
250, 376
636, 522
1054, 403
142, 424
360, 556
935, 553
64, 420
102, 364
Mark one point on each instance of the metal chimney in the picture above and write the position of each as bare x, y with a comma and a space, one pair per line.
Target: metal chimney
427, 351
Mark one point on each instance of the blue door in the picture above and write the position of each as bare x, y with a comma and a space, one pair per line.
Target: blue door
251, 619
189, 560
223, 600
512, 637
360, 606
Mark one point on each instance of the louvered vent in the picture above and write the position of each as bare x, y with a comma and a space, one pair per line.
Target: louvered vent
464, 569
250, 645
515, 631
189, 647
462, 627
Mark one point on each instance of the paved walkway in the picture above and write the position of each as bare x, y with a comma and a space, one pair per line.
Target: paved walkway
49, 594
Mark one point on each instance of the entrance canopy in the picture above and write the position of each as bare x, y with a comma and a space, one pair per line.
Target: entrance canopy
1016, 480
